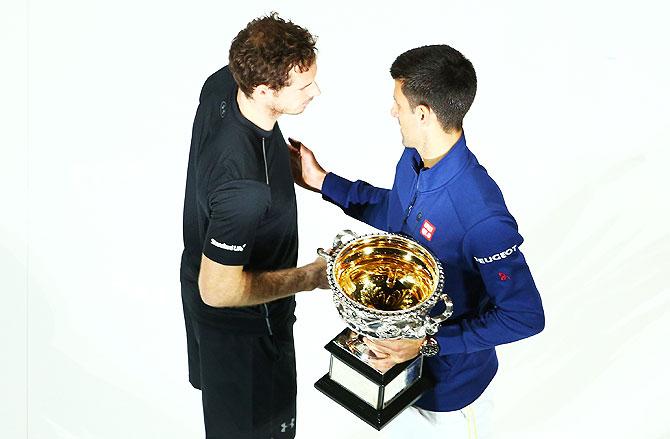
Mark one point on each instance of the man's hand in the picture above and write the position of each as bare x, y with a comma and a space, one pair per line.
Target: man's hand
388, 353
318, 269
307, 172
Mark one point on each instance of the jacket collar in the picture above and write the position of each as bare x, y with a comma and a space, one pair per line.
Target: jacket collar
239, 117
443, 171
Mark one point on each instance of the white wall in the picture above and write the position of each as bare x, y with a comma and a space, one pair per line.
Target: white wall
13, 218
570, 119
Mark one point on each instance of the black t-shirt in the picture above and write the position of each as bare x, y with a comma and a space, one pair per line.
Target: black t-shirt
239, 207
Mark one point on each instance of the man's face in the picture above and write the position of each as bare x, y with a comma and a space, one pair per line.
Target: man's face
407, 118
293, 98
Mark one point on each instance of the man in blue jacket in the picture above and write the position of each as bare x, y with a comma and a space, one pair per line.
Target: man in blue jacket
444, 198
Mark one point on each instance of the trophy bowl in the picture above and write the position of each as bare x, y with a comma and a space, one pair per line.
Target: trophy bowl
384, 285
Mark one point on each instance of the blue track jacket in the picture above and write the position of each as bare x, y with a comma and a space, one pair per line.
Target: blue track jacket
457, 211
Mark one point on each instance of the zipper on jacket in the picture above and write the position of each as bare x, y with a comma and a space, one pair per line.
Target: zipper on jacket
265, 163
267, 181
267, 317
411, 203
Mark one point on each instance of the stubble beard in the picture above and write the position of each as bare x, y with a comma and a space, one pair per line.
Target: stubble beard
278, 111
275, 111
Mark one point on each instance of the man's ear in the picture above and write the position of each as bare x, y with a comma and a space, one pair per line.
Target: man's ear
261, 92
423, 112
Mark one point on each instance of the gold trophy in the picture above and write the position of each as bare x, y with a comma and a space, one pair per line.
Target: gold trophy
384, 286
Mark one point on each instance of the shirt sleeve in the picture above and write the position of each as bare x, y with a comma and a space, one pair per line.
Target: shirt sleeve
235, 211
358, 199
491, 247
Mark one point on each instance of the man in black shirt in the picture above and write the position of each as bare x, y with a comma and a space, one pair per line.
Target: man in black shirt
238, 269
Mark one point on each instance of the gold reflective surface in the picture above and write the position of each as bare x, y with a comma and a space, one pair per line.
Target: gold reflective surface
388, 273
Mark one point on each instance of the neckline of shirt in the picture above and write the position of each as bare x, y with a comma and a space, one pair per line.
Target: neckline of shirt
246, 122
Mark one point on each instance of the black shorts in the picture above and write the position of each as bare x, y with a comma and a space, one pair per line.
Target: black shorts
248, 382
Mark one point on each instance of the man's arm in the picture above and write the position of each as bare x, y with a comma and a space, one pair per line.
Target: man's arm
516, 312
229, 285
357, 199
236, 209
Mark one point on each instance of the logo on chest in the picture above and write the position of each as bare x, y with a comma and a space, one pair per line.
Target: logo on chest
428, 230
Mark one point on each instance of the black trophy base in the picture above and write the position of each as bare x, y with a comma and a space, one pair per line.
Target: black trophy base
376, 418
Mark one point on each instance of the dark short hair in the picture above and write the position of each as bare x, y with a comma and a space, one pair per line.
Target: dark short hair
439, 77
266, 50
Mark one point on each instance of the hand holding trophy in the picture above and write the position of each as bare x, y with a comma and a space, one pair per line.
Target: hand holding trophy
384, 286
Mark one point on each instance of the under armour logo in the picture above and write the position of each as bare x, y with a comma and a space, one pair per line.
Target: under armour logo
290, 424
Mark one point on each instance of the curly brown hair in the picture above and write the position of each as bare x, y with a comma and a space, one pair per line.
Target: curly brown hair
266, 50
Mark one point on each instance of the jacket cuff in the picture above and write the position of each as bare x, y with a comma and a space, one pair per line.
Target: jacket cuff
335, 189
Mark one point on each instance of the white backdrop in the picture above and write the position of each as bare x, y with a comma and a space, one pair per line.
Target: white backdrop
98, 101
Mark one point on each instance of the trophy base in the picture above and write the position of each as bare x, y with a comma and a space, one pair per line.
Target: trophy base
376, 418
373, 396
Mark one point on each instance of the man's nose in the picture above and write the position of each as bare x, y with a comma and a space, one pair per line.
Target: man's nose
316, 90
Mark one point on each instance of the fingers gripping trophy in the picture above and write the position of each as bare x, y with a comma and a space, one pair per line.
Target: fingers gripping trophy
384, 286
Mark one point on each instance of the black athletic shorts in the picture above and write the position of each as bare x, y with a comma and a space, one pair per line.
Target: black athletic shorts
248, 382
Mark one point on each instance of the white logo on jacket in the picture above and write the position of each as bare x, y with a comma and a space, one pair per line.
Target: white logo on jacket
497, 256
223, 245
284, 426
